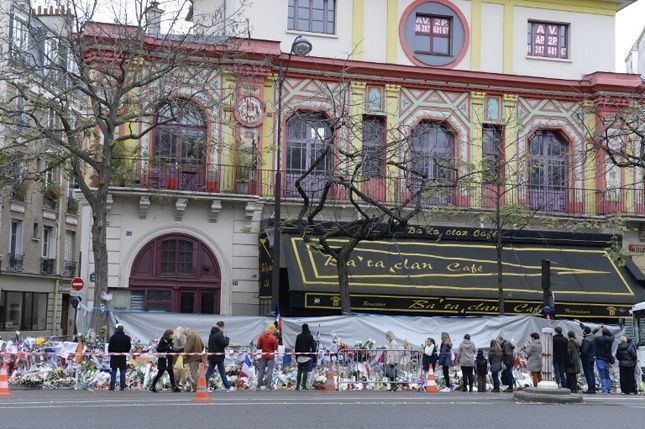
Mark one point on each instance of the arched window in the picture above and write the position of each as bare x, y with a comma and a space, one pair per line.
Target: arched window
308, 134
433, 156
175, 273
548, 171
179, 146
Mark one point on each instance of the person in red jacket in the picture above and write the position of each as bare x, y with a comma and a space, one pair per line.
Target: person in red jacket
268, 343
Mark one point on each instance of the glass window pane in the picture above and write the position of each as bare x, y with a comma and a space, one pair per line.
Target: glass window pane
208, 303
27, 322
303, 25
40, 312
159, 295
137, 299
13, 311
186, 302
441, 45
317, 27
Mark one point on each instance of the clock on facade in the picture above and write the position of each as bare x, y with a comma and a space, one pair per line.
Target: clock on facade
249, 111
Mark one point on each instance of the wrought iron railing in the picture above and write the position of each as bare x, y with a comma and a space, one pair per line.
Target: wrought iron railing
247, 180
69, 268
15, 262
47, 265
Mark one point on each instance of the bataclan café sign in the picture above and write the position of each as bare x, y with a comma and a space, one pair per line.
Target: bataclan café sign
439, 270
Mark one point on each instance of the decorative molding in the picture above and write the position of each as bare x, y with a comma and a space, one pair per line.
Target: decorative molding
251, 208
71, 219
216, 208
180, 208
108, 206
144, 205
49, 214
18, 207
510, 100
478, 97
392, 90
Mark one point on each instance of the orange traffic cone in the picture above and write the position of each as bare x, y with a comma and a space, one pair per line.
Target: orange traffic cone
330, 386
202, 389
431, 384
4, 379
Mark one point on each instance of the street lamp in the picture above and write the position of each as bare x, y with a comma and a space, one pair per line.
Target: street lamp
300, 47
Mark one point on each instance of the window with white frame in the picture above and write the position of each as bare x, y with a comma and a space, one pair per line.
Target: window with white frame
313, 16
15, 244
19, 34
49, 242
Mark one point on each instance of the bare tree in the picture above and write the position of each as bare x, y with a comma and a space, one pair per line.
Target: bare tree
85, 92
362, 181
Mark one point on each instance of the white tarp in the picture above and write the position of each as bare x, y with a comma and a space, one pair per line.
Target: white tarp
243, 330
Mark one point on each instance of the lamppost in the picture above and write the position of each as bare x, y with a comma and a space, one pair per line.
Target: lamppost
300, 47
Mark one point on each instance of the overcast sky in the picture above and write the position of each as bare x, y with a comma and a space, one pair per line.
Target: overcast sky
629, 24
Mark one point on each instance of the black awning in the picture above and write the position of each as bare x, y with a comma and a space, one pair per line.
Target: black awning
400, 274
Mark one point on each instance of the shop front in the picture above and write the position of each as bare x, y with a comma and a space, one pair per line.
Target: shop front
454, 271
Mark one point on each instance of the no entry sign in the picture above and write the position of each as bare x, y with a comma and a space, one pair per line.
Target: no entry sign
77, 283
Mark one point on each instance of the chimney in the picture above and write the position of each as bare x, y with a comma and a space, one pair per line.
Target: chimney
153, 18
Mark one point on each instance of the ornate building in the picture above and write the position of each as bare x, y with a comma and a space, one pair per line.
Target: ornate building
462, 85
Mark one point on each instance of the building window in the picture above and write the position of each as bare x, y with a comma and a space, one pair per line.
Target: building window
548, 40
313, 16
492, 141
15, 246
436, 30
48, 241
24, 311
19, 34
177, 257
548, 171
433, 162
373, 148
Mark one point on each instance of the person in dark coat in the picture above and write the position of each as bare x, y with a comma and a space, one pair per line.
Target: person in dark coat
217, 343
305, 349
164, 362
627, 357
587, 353
603, 344
508, 358
560, 344
481, 370
119, 343
572, 364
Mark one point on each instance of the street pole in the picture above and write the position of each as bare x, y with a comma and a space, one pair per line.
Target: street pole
300, 47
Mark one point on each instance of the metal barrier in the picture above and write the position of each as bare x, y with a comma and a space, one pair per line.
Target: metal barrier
357, 368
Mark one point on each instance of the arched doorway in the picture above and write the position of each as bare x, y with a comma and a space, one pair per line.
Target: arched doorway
175, 273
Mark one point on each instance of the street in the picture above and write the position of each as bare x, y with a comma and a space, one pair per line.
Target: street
289, 409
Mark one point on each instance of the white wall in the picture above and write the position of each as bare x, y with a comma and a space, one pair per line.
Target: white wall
591, 44
232, 239
492, 38
374, 31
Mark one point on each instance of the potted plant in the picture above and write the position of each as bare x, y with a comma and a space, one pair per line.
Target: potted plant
72, 205
211, 181
51, 192
19, 191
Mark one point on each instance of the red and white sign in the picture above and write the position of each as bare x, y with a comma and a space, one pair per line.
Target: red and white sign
77, 283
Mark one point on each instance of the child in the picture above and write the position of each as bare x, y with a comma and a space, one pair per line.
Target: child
481, 369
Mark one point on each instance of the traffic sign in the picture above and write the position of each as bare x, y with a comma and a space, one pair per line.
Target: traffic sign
77, 283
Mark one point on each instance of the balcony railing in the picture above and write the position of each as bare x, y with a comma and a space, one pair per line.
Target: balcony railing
235, 179
47, 265
69, 268
15, 262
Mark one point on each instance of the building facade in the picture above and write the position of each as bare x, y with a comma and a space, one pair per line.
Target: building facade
635, 60
39, 223
188, 234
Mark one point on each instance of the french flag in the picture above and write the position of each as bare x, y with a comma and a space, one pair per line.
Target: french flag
247, 367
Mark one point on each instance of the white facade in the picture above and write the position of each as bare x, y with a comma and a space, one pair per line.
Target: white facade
635, 60
232, 238
591, 34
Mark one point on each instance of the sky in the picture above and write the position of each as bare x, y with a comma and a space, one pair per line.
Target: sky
629, 24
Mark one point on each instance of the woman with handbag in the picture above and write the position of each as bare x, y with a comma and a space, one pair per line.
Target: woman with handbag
164, 362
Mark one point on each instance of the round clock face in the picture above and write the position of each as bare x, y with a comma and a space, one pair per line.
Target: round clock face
249, 111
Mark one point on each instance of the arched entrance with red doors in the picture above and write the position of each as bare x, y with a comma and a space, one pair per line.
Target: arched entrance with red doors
175, 273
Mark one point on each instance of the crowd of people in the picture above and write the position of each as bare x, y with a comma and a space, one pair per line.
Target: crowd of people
182, 351
590, 355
